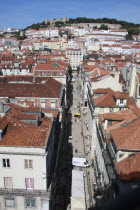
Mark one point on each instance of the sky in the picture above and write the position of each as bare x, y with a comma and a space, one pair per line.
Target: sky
22, 13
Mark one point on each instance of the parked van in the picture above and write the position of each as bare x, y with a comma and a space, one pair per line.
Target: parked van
81, 162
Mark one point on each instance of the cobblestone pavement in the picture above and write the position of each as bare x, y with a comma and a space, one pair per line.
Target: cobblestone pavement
81, 145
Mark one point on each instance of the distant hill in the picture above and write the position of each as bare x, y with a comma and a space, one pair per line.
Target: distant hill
124, 24
131, 27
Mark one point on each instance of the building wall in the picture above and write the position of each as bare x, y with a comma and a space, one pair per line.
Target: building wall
104, 179
75, 58
40, 102
18, 173
102, 110
108, 82
20, 203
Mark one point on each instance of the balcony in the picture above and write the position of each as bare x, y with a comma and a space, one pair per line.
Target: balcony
23, 192
121, 105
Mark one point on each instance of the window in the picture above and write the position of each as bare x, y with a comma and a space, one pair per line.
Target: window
8, 182
29, 182
121, 155
111, 109
9, 202
28, 164
53, 104
43, 104
30, 202
101, 109
55, 65
121, 101
6, 163
109, 122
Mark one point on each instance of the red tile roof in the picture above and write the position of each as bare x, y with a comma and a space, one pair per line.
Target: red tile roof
48, 111
129, 168
50, 89
44, 67
127, 136
102, 90
24, 109
120, 95
108, 100
22, 115
21, 134
96, 79
119, 118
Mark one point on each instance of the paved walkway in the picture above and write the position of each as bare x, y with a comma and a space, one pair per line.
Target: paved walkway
81, 145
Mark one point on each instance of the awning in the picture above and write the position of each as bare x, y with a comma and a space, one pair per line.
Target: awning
76, 114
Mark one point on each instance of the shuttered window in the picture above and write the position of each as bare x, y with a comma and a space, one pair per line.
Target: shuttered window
9, 202
28, 164
29, 182
6, 163
52, 104
30, 202
8, 182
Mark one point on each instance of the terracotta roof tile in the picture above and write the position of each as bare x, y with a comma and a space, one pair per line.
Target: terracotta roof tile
46, 66
24, 109
127, 136
103, 90
120, 95
50, 89
108, 100
129, 168
21, 134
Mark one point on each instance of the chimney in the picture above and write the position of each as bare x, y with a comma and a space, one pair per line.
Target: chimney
1, 107
133, 82
1, 134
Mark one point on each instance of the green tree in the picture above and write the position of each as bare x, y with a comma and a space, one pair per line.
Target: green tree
128, 37
70, 70
94, 27
17, 36
59, 23
104, 27
78, 69
133, 31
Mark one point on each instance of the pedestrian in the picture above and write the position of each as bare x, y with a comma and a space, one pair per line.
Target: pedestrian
75, 119
81, 133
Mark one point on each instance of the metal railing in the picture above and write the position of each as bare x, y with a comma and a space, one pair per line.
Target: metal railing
22, 192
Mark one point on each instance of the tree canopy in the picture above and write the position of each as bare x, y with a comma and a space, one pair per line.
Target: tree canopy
124, 24
59, 23
131, 27
37, 26
104, 27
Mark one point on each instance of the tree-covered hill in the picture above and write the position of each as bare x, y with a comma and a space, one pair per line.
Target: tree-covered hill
124, 24
131, 27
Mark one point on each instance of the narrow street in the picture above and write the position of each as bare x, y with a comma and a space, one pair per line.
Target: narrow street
78, 146
81, 144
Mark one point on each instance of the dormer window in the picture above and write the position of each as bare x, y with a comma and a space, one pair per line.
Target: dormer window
55, 65
121, 101
109, 122
111, 109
